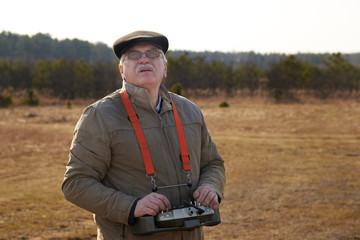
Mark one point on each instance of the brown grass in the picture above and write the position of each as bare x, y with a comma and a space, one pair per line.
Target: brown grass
293, 171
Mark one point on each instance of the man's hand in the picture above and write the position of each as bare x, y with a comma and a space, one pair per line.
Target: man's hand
206, 196
151, 204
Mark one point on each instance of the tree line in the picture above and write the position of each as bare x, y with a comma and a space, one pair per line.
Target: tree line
282, 80
62, 78
68, 79
79, 75
43, 46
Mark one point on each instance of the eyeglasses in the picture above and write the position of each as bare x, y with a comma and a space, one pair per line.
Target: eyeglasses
135, 55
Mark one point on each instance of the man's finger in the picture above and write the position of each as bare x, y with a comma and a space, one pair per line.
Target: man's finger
206, 196
151, 204
196, 194
161, 201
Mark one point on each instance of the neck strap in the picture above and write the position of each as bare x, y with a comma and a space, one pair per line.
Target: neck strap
142, 141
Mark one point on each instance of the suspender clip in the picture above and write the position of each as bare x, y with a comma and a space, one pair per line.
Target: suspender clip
188, 177
153, 181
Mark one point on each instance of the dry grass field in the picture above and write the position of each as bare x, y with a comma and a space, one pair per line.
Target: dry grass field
293, 171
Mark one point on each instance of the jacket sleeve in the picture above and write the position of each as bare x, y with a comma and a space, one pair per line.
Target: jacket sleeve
89, 161
212, 169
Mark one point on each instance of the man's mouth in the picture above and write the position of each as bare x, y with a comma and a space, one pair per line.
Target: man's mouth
143, 68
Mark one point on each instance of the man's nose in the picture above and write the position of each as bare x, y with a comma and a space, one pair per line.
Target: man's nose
144, 58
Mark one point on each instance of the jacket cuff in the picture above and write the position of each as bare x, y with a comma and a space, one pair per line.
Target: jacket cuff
131, 218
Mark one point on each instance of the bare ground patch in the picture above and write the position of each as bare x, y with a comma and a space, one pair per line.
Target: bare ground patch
292, 171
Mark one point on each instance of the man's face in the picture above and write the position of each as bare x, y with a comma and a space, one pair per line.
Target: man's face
144, 72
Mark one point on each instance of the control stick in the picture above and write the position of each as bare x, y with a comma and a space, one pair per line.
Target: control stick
189, 204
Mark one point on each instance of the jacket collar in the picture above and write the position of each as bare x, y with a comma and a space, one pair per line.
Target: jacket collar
140, 96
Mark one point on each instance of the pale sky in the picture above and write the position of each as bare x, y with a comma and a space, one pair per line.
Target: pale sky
262, 26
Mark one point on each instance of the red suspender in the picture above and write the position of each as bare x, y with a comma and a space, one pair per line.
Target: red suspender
138, 132
183, 148
142, 141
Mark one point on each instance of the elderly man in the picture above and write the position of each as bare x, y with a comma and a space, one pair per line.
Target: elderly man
142, 150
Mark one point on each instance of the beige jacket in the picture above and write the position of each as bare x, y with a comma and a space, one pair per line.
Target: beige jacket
106, 174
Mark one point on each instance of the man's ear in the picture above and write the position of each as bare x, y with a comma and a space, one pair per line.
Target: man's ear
122, 72
165, 70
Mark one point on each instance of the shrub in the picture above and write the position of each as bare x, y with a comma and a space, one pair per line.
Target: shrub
69, 104
5, 100
177, 89
31, 99
224, 104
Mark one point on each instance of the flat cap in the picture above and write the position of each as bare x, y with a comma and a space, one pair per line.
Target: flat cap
127, 41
